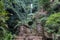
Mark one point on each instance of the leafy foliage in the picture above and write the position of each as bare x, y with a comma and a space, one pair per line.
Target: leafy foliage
14, 12
53, 22
19, 11
5, 35
1, 5
3, 15
44, 4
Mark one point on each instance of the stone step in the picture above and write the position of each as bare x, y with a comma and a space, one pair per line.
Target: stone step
28, 38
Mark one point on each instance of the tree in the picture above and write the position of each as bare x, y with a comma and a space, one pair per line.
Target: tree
19, 11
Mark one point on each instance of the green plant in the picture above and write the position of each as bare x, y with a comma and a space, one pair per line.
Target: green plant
5, 35
53, 22
1, 6
44, 4
3, 15
8, 36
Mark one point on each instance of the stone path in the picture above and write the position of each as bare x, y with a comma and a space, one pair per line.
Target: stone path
28, 38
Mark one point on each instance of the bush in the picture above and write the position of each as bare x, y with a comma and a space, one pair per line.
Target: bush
5, 35
53, 22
